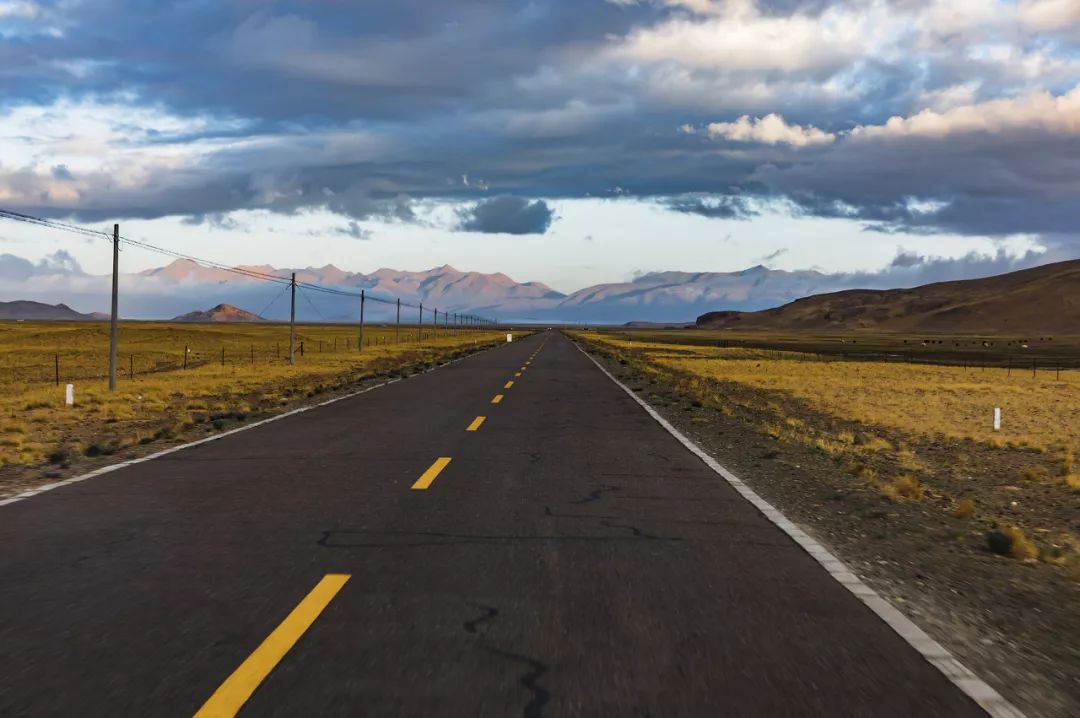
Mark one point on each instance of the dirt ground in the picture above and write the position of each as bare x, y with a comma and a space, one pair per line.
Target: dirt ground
1016, 623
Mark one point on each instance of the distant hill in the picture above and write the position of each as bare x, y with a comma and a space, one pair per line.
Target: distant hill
1042, 300
220, 313
38, 311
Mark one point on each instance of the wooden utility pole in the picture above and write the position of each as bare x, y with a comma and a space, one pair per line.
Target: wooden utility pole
397, 327
420, 326
360, 344
292, 323
114, 321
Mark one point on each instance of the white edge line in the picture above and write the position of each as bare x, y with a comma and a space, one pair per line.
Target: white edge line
216, 437
974, 687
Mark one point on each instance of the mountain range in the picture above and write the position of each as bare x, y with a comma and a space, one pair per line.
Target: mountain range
37, 311
1041, 300
657, 296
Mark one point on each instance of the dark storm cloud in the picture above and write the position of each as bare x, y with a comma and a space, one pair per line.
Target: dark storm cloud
722, 207
366, 108
507, 215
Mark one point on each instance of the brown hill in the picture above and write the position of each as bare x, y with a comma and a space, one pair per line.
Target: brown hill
1043, 300
37, 311
220, 313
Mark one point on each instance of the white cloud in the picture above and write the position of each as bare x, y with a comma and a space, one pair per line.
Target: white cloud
19, 9
1038, 111
1050, 14
737, 37
769, 130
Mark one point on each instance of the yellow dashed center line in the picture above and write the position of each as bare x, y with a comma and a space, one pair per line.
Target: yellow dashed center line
508, 384
476, 423
497, 398
429, 476
237, 688
518, 374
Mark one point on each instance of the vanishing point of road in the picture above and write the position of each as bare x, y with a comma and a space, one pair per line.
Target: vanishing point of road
510, 534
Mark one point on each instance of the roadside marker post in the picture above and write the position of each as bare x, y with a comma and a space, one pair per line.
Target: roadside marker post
997, 418
69, 395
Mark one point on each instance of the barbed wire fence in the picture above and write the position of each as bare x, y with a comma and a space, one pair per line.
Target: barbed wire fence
438, 322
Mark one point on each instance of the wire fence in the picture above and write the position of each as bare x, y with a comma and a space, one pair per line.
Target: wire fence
65, 366
1038, 363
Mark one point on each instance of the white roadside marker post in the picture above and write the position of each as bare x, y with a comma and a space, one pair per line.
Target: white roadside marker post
997, 418
509, 337
69, 395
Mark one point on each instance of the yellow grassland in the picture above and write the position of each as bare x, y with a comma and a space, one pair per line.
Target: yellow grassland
163, 401
877, 420
928, 400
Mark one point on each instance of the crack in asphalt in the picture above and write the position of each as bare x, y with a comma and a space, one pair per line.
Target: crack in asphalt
540, 696
596, 494
490, 613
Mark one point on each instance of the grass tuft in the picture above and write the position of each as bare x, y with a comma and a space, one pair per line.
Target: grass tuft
1011, 541
904, 488
964, 509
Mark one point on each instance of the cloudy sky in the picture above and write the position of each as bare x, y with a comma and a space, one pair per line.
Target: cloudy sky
566, 141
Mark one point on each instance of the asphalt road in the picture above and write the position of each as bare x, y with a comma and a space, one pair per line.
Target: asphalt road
572, 558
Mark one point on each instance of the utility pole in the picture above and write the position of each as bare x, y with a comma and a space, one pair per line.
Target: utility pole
420, 326
397, 327
292, 323
360, 345
435, 323
114, 320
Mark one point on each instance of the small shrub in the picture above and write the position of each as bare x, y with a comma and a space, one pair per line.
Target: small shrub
1011, 541
904, 488
772, 430
1034, 473
98, 449
1073, 481
61, 455
1067, 461
964, 509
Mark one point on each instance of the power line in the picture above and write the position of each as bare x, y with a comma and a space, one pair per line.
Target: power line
240, 271
52, 224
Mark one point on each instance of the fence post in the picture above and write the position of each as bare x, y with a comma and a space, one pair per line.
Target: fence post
301, 349
58, 369
131, 366
222, 356
252, 353
185, 355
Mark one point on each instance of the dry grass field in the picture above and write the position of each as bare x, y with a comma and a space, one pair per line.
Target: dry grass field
911, 432
234, 372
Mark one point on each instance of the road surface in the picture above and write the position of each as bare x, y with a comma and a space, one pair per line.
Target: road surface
394, 554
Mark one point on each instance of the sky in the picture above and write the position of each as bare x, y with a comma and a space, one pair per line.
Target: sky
571, 142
